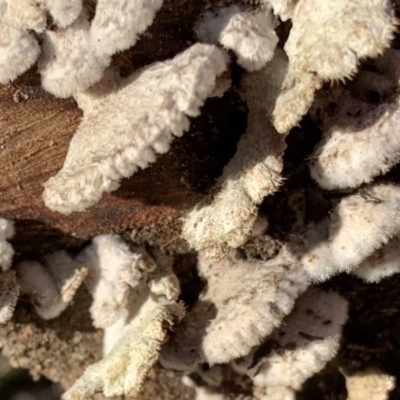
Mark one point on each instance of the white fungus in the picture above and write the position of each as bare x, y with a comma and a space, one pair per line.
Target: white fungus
124, 369
68, 63
383, 263
113, 270
369, 385
253, 173
326, 42
147, 314
361, 140
19, 49
118, 23
105, 150
306, 340
75, 58
249, 34
359, 224
53, 285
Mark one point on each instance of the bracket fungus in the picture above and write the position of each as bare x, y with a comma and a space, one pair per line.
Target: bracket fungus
75, 58
253, 172
307, 339
163, 96
113, 270
383, 263
361, 139
250, 34
19, 48
124, 369
359, 225
220, 327
327, 42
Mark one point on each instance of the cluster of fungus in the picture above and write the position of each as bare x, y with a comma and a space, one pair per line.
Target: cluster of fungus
261, 318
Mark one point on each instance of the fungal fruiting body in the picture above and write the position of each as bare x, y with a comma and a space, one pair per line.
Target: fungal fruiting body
249, 34
19, 48
361, 139
114, 269
163, 96
75, 58
125, 367
369, 385
327, 42
142, 306
75, 52
383, 263
253, 172
306, 340
220, 326
360, 224
53, 285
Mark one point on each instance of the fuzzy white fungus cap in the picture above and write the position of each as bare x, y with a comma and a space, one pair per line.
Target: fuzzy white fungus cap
68, 63
117, 23
306, 340
53, 285
359, 224
253, 172
148, 109
369, 385
31, 14
19, 49
361, 140
162, 283
9, 293
64, 13
383, 263
27, 14
6, 251
113, 270
241, 304
326, 42
283, 8
249, 34
75, 58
